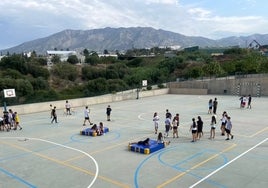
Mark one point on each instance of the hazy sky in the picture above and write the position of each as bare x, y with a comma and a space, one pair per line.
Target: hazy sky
26, 20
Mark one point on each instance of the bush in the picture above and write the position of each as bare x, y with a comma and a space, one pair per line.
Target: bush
160, 86
149, 87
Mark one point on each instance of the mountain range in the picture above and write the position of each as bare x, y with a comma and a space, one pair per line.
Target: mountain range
122, 39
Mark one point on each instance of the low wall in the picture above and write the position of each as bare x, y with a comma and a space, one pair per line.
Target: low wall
188, 91
255, 84
120, 96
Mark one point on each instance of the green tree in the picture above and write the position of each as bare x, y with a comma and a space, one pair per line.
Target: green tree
65, 71
72, 59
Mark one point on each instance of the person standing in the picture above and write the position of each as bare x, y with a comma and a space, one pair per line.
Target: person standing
223, 122
213, 127
17, 121
156, 122
86, 115
167, 125
168, 114
68, 108
199, 127
228, 128
210, 104
51, 108
175, 124
215, 105
193, 128
54, 115
249, 101
108, 112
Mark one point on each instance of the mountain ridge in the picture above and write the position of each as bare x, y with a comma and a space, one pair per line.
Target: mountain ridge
122, 39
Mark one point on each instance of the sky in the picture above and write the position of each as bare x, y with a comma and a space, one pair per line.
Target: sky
26, 20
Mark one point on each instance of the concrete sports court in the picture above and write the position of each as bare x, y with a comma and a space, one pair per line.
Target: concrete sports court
46, 155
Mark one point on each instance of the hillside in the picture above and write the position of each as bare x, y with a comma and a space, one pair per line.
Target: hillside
122, 39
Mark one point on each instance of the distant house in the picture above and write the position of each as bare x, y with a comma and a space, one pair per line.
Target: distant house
63, 55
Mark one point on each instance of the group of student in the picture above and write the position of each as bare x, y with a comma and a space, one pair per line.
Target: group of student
99, 130
245, 101
10, 121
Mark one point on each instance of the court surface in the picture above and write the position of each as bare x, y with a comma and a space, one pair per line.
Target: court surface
49, 155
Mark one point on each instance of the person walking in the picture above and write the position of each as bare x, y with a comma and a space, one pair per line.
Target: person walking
86, 115
156, 122
54, 115
17, 121
228, 128
108, 112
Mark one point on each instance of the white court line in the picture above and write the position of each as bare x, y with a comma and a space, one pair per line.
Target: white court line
95, 162
203, 179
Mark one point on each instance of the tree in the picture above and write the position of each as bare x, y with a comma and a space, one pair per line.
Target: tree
73, 59
86, 52
55, 59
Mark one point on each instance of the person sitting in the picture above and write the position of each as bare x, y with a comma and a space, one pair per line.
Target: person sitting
161, 139
100, 130
94, 128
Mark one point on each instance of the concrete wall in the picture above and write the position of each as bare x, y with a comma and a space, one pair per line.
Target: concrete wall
120, 96
256, 85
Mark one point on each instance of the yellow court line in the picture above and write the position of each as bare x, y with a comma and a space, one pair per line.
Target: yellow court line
250, 136
194, 167
66, 164
259, 132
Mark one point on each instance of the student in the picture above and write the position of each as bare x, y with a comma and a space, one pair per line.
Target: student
223, 123
51, 108
17, 121
199, 127
228, 128
156, 122
213, 127
167, 125
68, 108
175, 125
161, 139
100, 130
215, 105
249, 101
193, 129
86, 115
145, 142
54, 115
108, 112
210, 104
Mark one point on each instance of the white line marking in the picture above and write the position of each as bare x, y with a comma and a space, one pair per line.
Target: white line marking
95, 162
203, 179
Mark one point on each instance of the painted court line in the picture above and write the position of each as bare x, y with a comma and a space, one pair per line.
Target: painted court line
67, 147
203, 179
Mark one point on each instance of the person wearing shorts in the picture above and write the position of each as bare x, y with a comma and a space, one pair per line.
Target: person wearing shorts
86, 115
228, 128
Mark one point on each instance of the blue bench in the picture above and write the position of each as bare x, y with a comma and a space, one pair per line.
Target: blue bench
90, 132
153, 146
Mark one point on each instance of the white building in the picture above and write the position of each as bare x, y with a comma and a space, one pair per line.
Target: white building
62, 54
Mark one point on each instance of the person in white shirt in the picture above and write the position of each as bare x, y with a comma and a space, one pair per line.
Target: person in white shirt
156, 122
86, 115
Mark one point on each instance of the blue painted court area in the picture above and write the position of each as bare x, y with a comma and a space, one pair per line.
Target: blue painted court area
49, 155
